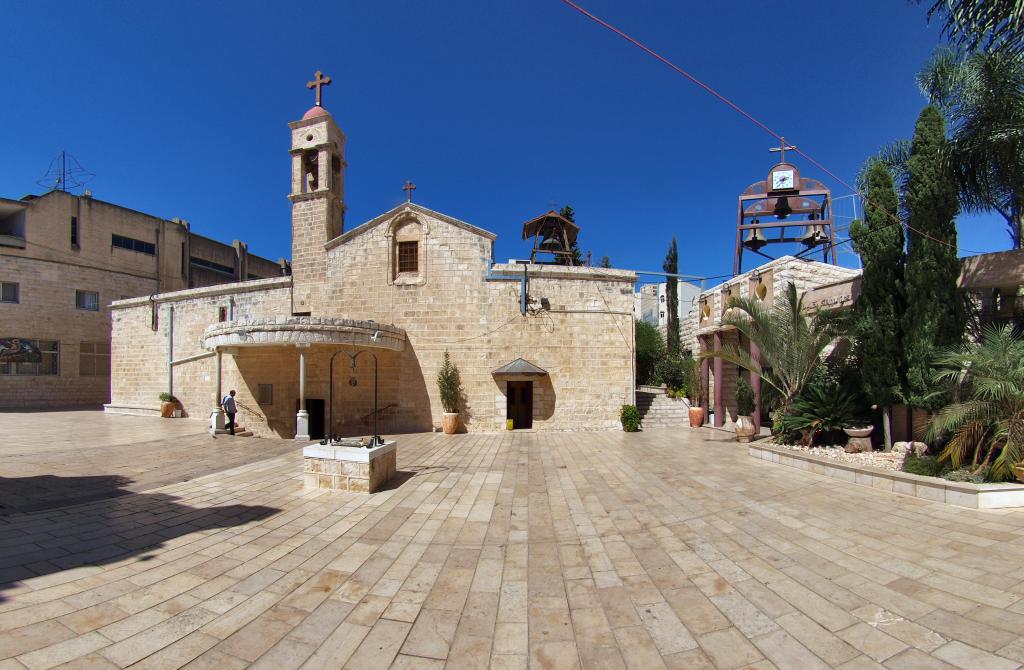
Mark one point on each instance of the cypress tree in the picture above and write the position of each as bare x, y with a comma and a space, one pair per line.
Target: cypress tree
671, 266
878, 310
934, 318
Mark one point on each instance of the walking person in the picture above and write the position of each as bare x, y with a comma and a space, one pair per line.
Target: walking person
228, 403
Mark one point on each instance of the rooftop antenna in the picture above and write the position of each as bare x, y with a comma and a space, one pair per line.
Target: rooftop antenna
65, 173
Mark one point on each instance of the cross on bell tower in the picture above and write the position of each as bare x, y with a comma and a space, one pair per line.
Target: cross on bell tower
318, 83
782, 148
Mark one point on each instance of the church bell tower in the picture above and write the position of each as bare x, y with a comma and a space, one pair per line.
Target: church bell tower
317, 197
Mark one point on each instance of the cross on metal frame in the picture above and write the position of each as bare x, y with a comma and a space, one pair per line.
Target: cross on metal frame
782, 149
409, 188
318, 83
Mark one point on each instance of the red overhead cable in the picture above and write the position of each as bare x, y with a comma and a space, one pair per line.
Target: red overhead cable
750, 117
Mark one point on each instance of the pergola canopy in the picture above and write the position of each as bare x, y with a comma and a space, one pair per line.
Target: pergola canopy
304, 331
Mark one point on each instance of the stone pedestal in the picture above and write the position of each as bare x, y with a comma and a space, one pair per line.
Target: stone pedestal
349, 468
217, 422
302, 425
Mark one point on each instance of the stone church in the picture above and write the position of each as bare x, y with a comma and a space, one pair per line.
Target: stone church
369, 311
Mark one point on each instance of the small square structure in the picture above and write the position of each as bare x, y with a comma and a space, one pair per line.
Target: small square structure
353, 469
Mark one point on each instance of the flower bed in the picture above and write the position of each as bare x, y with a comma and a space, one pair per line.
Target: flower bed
876, 459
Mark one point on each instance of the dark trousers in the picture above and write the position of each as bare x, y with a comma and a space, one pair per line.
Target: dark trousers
231, 422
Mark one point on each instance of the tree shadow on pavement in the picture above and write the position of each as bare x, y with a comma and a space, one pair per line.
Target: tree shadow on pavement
51, 524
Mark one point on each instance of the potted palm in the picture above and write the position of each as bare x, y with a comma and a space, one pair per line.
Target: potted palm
449, 385
745, 410
696, 393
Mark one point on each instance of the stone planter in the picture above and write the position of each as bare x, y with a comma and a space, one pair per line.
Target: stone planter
860, 439
744, 428
450, 423
696, 417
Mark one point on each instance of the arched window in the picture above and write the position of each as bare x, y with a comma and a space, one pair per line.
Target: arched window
407, 237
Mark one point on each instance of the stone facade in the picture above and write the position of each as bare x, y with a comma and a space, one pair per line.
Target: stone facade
58, 244
443, 292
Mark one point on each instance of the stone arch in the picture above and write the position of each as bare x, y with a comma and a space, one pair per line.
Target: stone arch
404, 229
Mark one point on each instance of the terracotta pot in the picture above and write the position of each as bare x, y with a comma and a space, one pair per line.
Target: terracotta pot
744, 428
167, 409
450, 423
696, 417
1018, 472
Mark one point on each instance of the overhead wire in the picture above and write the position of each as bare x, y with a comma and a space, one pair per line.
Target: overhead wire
750, 117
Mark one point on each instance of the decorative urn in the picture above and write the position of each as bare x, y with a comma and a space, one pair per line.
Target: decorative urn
744, 428
696, 416
450, 422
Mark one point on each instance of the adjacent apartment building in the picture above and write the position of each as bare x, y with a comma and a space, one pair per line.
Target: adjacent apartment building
63, 259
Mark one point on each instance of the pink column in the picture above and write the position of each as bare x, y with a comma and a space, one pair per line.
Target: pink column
755, 383
719, 386
705, 371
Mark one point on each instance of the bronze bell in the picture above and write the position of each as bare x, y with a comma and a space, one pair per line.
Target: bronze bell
782, 208
550, 244
754, 239
813, 235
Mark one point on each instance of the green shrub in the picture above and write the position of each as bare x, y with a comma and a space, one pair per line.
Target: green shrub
650, 348
819, 408
672, 370
167, 397
967, 475
928, 466
630, 418
744, 398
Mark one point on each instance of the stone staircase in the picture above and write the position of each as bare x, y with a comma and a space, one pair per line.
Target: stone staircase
657, 410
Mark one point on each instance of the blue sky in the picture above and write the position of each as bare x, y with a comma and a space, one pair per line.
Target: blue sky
496, 110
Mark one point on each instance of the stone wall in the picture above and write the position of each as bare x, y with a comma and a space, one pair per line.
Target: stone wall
584, 339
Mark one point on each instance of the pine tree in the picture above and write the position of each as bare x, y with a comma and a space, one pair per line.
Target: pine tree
569, 214
671, 266
876, 315
934, 318
605, 262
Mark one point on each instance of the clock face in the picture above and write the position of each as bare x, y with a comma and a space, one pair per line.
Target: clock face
782, 179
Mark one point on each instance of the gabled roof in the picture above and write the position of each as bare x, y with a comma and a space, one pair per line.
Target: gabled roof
411, 207
520, 366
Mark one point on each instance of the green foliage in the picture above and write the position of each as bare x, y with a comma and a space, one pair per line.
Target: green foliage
605, 262
993, 25
694, 384
744, 397
982, 97
630, 418
935, 317
167, 397
876, 314
820, 408
671, 266
791, 343
650, 349
449, 384
986, 417
672, 370
928, 466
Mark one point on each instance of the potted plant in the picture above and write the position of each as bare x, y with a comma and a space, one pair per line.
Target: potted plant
696, 392
745, 409
449, 384
168, 405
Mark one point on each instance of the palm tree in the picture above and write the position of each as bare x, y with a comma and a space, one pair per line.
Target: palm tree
982, 97
791, 343
995, 25
987, 415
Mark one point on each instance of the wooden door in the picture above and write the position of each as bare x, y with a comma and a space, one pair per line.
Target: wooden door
519, 408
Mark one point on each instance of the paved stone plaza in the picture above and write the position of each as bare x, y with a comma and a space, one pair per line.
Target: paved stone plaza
597, 550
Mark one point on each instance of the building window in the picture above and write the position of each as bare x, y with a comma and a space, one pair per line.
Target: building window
222, 314
88, 300
210, 265
132, 244
662, 315
408, 257
9, 291
663, 298
265, 394
74, 232
94, 359
29, 357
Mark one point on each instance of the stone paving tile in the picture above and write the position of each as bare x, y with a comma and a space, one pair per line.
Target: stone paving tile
600, 550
